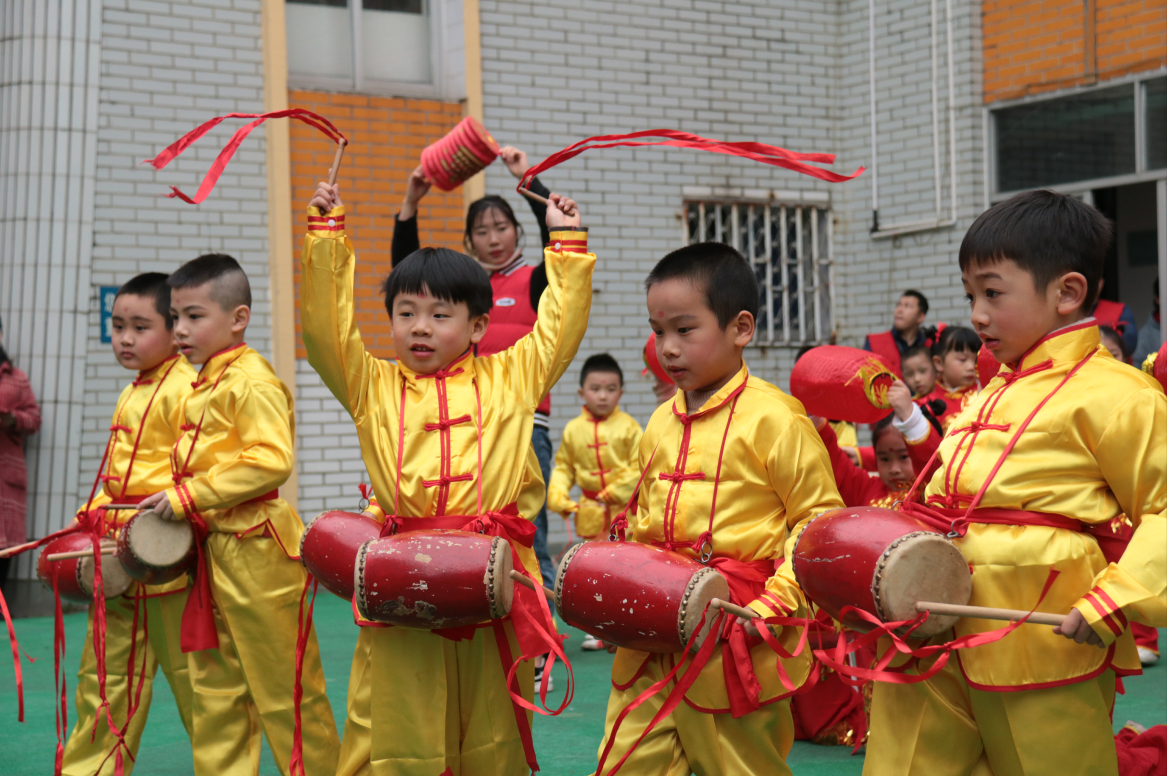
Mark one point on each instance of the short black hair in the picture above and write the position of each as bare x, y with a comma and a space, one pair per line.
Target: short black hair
151, 285
960, 339
722, 273
881, 427
921, 300
448, 275
600, 362
1108, 331
229, 288
918, 350
1046, 234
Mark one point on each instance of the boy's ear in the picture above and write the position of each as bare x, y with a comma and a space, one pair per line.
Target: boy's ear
743, 328
1071, 291
478, 328
240, 317
580, 392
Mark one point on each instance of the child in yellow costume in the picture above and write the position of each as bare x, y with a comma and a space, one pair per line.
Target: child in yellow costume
136, 464
730, 465
446, 438
598, 452
240, 625
1061, 442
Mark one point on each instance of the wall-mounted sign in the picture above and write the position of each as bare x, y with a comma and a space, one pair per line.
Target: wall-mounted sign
105, 298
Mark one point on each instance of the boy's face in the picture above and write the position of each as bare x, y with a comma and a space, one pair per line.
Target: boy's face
957, 368
601, 393
1010, 314
429, 333
141, 339
919, 374
691, 346
201, 325
892, 461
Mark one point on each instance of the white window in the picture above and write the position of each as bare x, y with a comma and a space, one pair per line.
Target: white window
790, 247
369, 46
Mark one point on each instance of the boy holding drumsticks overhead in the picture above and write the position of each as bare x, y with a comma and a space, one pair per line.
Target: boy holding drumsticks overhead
234, 449
1061, 442
136, 464
446, 440
730, 464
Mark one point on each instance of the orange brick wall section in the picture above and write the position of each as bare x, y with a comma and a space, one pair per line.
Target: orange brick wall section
386, 136
1033, 46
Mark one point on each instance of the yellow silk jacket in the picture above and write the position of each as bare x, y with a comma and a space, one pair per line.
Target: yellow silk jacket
463, 433
235, 448
599, 455
774, 473
1095, 450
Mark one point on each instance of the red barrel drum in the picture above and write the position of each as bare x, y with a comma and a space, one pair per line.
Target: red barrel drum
882, 562
636, 596
74, 576
434, 578
155, 551
329, 546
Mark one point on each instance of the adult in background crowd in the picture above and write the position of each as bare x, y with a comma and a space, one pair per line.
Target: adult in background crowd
19, 417
1150, 337
907, 331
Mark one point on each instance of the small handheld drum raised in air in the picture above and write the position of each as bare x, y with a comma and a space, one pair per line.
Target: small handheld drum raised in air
881, 562
461, 153
434, 579
74, 576
329, 546
636, 596
155, 551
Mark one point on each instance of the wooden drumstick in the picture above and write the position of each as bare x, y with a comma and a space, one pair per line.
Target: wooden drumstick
126, 507
533, 196
108, 549
336, 161
734, 609
525, 581
989, 613
8, 552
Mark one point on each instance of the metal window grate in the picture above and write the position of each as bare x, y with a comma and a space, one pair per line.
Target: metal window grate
791, 250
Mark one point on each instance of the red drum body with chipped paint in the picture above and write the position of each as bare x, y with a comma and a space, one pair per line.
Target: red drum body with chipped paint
879, 561
631, 595
74, 576
434, 578
329, 547
155, 551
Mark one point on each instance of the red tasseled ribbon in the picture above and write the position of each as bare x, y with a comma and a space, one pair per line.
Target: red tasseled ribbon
758, 152
212, 177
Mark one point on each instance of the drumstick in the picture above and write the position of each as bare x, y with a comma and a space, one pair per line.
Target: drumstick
989, 613
108, 549
533, 196
336, 161
127, 507
523, 580
734, 609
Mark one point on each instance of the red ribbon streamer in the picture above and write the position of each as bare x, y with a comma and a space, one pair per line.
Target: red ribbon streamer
758, 152
212, 177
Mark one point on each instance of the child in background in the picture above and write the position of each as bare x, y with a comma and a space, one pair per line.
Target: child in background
920, 372
731, 463
955, 359
142, 432
1113, 342
599, 453
1058, 445
235, 448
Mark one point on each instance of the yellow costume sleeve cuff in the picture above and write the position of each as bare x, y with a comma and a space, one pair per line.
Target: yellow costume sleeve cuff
561, 503
330, 224
1103, 614
181, 501
571, 240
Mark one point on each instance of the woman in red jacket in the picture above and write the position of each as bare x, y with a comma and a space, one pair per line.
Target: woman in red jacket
19, 417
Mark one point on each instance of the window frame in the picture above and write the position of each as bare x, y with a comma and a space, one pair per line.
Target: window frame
777, 280
1136, 81
359, 84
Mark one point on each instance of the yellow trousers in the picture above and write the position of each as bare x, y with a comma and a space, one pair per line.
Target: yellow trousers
157, 647
246, 685
420, 703
943, 727
690, 741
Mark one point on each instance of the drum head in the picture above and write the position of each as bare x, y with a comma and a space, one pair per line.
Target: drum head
706, 585
921, 566
158, 542
114, 579
499, 582
563, 564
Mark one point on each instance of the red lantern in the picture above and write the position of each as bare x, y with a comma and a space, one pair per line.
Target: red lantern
842, 383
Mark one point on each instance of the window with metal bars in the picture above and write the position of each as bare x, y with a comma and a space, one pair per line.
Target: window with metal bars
791, 249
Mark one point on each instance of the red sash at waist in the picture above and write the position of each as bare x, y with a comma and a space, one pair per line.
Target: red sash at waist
594, 495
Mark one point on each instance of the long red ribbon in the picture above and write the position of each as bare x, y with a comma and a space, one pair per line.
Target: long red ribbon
303, 631
176, 148
758, 152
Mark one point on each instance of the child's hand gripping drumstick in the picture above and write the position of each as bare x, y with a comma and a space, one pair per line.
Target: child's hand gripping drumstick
562, 213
